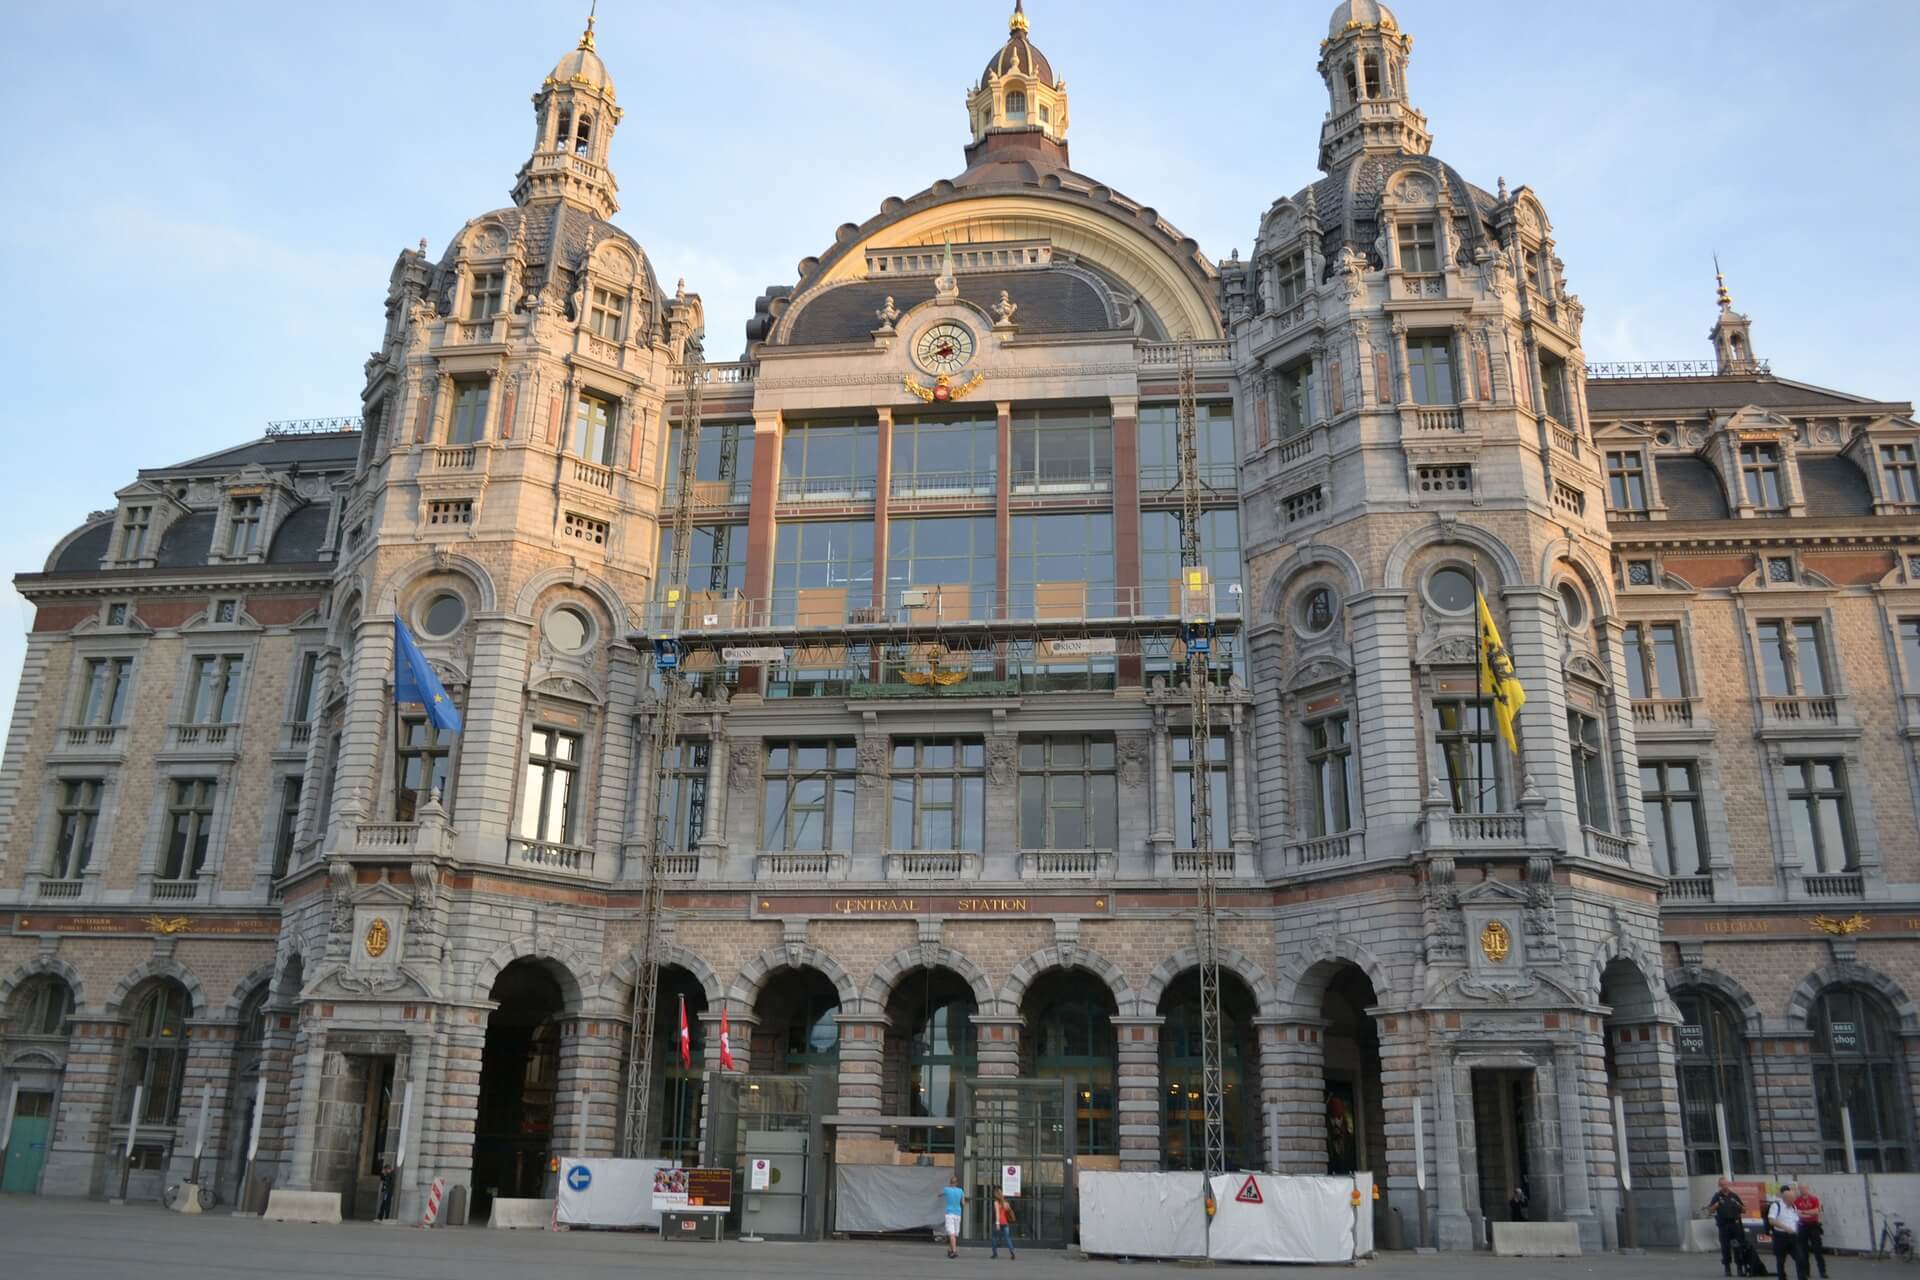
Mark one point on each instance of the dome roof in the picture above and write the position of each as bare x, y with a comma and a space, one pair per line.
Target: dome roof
583, 66
1359, 13
1018, 56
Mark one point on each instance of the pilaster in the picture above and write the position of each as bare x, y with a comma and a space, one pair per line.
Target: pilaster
1138, 1104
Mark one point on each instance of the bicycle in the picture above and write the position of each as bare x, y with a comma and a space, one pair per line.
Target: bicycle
1896, 1239
171, 1196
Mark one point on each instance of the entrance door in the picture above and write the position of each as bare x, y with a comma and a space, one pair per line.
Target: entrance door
27, 1144
775, 1118
1024, 1123
1502, 1108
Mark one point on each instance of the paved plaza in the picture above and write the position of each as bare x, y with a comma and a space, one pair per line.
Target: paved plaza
54, 1239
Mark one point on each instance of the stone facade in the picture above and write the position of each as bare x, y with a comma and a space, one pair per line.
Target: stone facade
929, 813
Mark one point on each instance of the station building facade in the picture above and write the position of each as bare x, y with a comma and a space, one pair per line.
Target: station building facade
928, 822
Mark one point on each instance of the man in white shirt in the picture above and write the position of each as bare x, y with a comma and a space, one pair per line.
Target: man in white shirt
1783, 1221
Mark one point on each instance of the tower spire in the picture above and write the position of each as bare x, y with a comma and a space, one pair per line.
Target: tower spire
586, 37
1720, 286
1017, 24
1732, 333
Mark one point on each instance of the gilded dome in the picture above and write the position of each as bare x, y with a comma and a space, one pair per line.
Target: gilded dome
583, 66
1018, 56
1360, 13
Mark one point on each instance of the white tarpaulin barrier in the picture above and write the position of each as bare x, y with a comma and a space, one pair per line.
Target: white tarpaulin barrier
1363, 1221
1143, 1215
607, 1193
1265, 1218
886, 1197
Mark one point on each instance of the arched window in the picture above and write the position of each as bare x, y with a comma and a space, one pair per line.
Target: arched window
1016, 107
1713, 1076
156, 1054
942, 1052
249, 1050
1183, 1110
564, 130
582, 134
1353, 84
680, 1086
1857, 1065
1070, 1020
41, 1007
1373, 76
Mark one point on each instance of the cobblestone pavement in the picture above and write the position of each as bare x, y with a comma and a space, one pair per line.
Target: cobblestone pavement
50, 1239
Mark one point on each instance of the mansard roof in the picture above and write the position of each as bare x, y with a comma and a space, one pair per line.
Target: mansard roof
334, 449
1626, 397
1053, 300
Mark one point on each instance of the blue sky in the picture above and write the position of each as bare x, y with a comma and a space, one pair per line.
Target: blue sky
204, 200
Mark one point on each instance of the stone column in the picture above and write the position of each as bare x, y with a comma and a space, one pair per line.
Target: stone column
1242, 763
1647, 1080
452, 1106
1783, 1101
1384, 711
1403, 1041
998, 1041
1160, 761
882, 492
302, 1112
592, 1051
488, 767
1268, 748
713, 825
365, 727
1138, 1100
1293, 1082
1405, 380
863, 1047
209, 1062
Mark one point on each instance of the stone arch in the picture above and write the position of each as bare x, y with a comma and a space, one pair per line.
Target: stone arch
42, 966
615, 994
927, 956
455, 563
1450, 533
562, 576
1273, 600
352, 599
568, 964
1652, 972
160, 967
1848, 973
262, 975
1069, 956
746, 988
1712, 981
35, 1058
1315, 964
1597, 581
1189, 958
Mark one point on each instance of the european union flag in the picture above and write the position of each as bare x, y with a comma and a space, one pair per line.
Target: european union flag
414, 681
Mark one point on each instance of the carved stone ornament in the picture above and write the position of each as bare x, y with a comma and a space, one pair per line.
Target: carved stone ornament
1415, 189
1495, 942
1000, 761
1132, 749
740, 765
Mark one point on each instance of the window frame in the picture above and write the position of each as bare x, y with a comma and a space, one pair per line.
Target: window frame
286, 831
1219, 768
156, 1055
1592, 788
912, 784
583, 432
136, 528
1434, 364
1658, 804
1899, 476
1040, 774
1640, 641
680, 814
78, 802
1324, 755
224, 672
1762, 475
117, 671
1809, 798
1627, 470
1418, 244
467, 418
1290, 278
1877, 1045
486, 294
1038, 433
186, 842
1723, 1056
1479, 734
607, 315
1789, 648
437, 746
246, 518
546, 766
837, 820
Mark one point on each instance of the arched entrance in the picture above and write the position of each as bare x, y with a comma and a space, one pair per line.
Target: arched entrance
1641, 1068
930, 1048
795, 1031
1069, 1036
1858, 1067
673, 1128
1716, 1085
1182, 1112
519, 1074
1355, 1109
249, 1054
36, 1053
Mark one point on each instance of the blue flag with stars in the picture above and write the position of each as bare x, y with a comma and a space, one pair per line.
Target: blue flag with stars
414, 681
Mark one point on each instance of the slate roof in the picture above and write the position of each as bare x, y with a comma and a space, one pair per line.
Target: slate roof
86, 551
300, 535
1834, 486
1691, 489
335, 449
187, 541
1049, 301
1624, 397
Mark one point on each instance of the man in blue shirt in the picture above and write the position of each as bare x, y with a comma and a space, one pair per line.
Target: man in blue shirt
954, 1199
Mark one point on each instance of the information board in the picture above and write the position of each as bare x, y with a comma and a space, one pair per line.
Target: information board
693, 1190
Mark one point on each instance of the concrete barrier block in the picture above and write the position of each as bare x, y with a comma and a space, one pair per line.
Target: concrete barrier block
520, 1215
1536, 1240
302, 1206
1702, 1236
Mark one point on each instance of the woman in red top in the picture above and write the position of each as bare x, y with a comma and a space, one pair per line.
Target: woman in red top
1002, 1224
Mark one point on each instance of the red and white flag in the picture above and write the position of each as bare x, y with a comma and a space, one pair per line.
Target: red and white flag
686, 1040
726, 1044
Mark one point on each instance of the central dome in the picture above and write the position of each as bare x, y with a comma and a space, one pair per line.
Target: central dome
1018, 56
1360, 13
583, 66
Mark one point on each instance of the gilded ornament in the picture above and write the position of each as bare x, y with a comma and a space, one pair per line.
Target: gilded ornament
1855, 923
943, 388
178, 924
1495, 942
377, 939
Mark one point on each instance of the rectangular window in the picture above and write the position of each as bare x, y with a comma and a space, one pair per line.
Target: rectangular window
683, 809
226, 610
948, 565
809, 795
1160, 576
469, 411
1215, 452
1760, 475
829, 462
1061, 566
243, 527
1062, 451
1419, 250
117, 614
945, 457
79, 816
1654, 666
1553, 388
716, 559
1430, 367
1330, 774
1464, 736
1296, 398
1290, 277
108, 681
484, 301
189, 828
593, 422
422, 766
1069, 793
1627, 481
722, 464
306, 688
133, 532
1186, 836
553, 773
1793, 661
821, 569
1899, 474
288, 829
1590, 793
608, 315
1821, 818
214, 696
939, 789
1910, 650
1670, 796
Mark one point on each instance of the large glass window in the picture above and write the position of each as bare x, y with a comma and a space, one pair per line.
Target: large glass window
1185, 835
1062, 450
1332, 780
1654, 665
1760, 474
1430, 368
716, 559
949, 560
1061, 566
821, 569
683, 809
108, 681
1296, 398
593, 424
1676, 829
1070, 1018
1626, 481
810, 787
1216, 455
829, 462
1900, 475
1419, 247
939, 793
1590, 792
1792, 660
549, 800
722, 464
1858, 1065
944, 457
189, 828
1069, 793
79, 817
1821, 818
1160, 575
423, 766
1713, 1076
1464, 740
469, 422
213, 696
156, 1055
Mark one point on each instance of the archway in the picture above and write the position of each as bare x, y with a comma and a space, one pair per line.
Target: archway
1182, 1111
1716, 1085
673, 1122
519, 1074
1858, 1069
930, 1048
1641, 1067
249, 1056
1355, 1105
796, 1030
1069, 1036
36, 1042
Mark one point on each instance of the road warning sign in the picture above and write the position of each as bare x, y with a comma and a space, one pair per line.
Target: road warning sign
1249, 1192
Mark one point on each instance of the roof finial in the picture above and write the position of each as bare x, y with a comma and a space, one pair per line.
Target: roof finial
1017, 24
1720, 286
586, 37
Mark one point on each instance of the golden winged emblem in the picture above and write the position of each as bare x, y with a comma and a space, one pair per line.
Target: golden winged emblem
178, 924
943, 388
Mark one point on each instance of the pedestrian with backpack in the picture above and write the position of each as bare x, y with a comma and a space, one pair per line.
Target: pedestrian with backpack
1783, 1220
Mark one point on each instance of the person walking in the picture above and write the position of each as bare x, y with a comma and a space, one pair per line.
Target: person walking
1783, 1220
1728, 1209
955, 1200
1807, 1205
1003, 1224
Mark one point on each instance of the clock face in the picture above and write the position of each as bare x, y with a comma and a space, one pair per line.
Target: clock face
945, 348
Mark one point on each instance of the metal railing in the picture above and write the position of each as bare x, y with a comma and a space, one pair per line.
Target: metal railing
826, 489
943, 484
713, 493
1047, 604
1063, 479
1663, 369
1214, 475
313, 426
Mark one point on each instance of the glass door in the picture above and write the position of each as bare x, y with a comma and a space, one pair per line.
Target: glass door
1024, 1123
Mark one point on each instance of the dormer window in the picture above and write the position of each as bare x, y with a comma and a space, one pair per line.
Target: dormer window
1419, 250
582, 134
133, 532
1899, 476
608, 316
1016, 107
243, 527
1760, 475
1627, 481
1291, 274
484, 302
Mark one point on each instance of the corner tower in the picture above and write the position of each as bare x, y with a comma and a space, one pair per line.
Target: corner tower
574, 118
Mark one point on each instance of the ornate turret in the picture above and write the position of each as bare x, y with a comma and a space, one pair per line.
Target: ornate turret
1018, 106
1364, 62
1731, 334
575, 115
